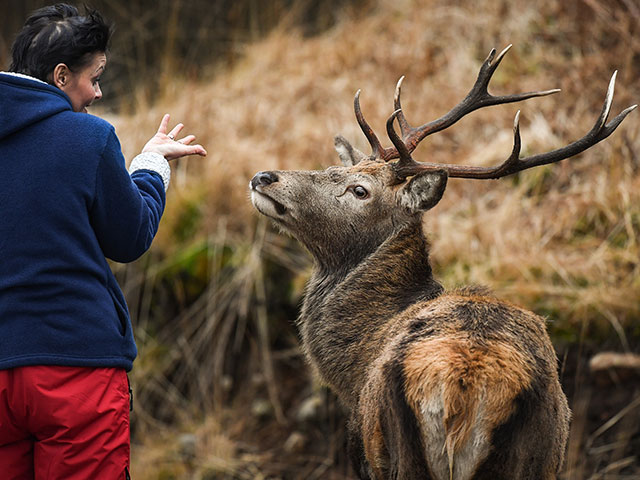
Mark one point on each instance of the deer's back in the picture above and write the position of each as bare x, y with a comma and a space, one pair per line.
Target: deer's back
473, 383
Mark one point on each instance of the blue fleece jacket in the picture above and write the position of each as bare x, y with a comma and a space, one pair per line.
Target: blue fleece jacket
67, 201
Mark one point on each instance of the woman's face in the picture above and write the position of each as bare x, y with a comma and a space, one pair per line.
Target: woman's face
82, 86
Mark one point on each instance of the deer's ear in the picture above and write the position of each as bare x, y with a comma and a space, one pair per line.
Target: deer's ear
350, 156
423, 191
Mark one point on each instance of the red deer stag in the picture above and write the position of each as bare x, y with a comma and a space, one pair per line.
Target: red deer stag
439, 385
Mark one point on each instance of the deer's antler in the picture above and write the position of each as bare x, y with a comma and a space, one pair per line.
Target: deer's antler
406, 166
477, 97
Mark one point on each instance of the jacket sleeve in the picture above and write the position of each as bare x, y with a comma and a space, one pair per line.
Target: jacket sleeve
127, 207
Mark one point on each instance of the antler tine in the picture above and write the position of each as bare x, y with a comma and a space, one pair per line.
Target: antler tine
405, 161
376, 146
477, 97
493, 65
608, 100
405, 128
514, 164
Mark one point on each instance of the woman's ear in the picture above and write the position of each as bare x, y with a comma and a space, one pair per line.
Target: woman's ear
61, 74
423, 191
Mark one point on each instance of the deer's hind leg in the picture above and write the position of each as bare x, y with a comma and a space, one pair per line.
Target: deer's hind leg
391, 435
538, 426
355, 449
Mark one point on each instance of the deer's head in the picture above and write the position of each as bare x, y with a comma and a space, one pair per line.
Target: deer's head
343, 213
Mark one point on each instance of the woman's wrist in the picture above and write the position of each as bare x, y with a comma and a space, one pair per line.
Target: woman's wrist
152, 161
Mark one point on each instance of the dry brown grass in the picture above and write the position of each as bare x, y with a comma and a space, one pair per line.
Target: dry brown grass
567, 232
563, 240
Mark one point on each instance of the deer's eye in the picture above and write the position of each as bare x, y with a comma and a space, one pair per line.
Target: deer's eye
360, 192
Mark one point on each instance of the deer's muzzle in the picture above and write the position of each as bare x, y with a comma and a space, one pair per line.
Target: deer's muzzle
258, 182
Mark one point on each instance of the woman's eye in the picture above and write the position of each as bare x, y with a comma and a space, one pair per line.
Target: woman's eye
360, 192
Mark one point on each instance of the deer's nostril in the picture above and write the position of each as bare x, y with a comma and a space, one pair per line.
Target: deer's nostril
263, 178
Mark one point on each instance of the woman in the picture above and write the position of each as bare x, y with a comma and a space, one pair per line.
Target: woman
67, 202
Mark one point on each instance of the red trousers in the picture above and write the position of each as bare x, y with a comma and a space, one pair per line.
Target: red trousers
68, 423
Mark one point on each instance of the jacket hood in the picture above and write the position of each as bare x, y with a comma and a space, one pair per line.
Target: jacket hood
26, 100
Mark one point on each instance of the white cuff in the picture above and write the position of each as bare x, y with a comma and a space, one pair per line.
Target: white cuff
154, 162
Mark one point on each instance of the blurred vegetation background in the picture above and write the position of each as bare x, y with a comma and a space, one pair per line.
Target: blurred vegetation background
159, 42
222, 391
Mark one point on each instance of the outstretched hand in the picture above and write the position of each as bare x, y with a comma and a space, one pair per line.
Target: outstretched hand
167, 144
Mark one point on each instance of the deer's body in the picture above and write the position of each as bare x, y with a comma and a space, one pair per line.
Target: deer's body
435, 379
439, 385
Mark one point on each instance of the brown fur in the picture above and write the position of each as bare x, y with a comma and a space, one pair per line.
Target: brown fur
455, 385
466, 375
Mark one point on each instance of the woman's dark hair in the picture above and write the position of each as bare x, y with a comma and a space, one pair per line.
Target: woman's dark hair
59, 34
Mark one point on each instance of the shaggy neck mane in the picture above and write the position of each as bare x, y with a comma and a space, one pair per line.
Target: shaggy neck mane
345, 318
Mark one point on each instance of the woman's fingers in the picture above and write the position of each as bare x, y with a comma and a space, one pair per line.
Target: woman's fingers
168, 146
187, 140
175, 131
164, 123
182, 150
199, 150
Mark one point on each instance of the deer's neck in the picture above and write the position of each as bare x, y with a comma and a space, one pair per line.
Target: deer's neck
346, 315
